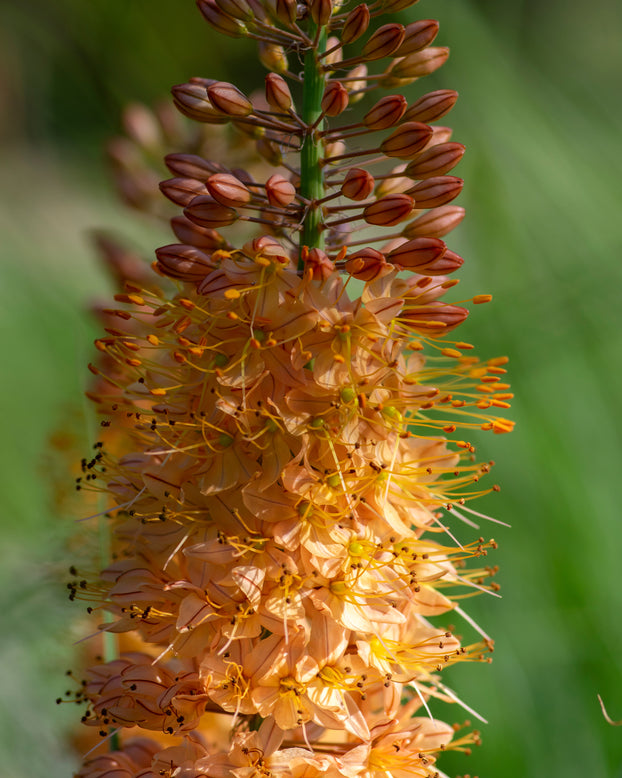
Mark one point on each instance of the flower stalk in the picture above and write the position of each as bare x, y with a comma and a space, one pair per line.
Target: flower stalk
285, 443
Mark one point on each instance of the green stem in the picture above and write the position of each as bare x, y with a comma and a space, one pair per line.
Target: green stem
311, 178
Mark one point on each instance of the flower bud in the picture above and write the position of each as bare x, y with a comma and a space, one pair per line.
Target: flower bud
277, 93
227, 98
358, 184
360, 74
395, 6
335, 98
389, 210
436, 191
192, 166
228, 190
383, 42
191, 100
321, 11
280, 191
200, 237
272, 56
420, 64
436, 223
182, 190
407, 140
417, 36
266, 247
269, 151
367, 265
436, 160
142, 127
186, 263
206, 212
386, 113
286, 11
238, 9
333, 149
434, 318
355, 24
333, 45
221, 21
321, 266
432, 106
417, 254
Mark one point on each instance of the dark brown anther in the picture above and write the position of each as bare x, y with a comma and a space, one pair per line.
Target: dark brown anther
417, 254
417, 36
335, 99
383, 42
435, 223
277, 93
436, 160
432, 106
280, 191
206, 212
193, 235
386, 113
367, 265
355, 25
407, 140
221, 21
228, 99
182, 190
321, 11
389, 210
228, 190
191, 100
358, 184
186, 263
436, 191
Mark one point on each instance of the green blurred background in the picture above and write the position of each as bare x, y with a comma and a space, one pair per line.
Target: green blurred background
541, 115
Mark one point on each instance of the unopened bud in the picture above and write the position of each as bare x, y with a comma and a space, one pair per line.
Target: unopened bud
367, 265
238, 9
432, 106
436, 160
417, 254
358, 184
436, 223
333, 149
277, 93
355, 25
228, 190
280, 191
272, 56
191, 100
333, 46
193, 235
227, 98
141, 125
420, 64
395, 6
191, 166
182, 190
417, 36
335, 99
286, 11
389, 210
186, 263
269, 151
321, 266
359, 74
383, 42
221, 21
206, 212
434, 318
407, 140
321, 11
386, 113
266, 247
436, 191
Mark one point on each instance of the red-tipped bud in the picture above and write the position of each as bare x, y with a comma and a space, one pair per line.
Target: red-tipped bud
206, 212
286, 11
420, 64
386, 113
434, 318
389, 210
432, 106
186, 263
228, 190
280, 191
277, 93
367, 265
321, 266
417, 36
321, 11
436, 191
436, 160
436, 223
272, 56
418, 254
182, 190
355, 24
227, 98
191, 100
335, 99
193, 235
191, 166
221, 21
383, 42
358, 184
407, 140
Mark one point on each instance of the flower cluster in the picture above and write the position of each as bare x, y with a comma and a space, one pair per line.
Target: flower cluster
282, 471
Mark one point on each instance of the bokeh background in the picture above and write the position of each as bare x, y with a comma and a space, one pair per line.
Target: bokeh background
541, 115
